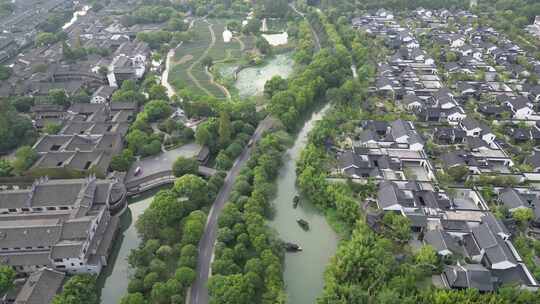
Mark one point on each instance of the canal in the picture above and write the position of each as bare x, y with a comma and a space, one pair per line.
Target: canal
304, 271
115, 277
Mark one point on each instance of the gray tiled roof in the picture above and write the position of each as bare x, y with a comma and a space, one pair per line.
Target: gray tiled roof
40, 287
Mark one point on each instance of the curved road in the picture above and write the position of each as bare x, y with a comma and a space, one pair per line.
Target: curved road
199, 290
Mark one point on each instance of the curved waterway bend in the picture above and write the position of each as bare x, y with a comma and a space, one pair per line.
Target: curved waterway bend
304, 270
115, 277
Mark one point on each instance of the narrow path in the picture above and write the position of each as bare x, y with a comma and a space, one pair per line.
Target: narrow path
217, 84
313, 32
353, 69
165, 76
242, 45
198, 293
198, 61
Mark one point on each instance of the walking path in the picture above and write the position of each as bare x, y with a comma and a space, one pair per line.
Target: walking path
221, 87
198, 293
165, 76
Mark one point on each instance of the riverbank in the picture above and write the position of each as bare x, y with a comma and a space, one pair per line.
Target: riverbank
113, 280
303, 271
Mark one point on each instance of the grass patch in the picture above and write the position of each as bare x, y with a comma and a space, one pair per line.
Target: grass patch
340, 228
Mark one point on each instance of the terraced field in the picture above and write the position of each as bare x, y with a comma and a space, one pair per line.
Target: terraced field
187, 70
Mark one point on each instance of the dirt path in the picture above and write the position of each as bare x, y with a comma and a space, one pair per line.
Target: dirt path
242, 45
198, 61
217, 84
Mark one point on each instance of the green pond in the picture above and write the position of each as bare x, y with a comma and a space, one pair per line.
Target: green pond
251, 80
304, 270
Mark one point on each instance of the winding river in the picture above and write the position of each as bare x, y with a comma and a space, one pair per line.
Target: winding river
304, 271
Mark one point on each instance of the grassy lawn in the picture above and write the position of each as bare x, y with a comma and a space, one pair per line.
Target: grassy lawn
188, 55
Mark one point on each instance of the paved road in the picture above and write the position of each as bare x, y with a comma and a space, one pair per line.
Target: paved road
199, 290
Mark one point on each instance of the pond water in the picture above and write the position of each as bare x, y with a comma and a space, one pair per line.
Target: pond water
251, 80
304, 270
115, 277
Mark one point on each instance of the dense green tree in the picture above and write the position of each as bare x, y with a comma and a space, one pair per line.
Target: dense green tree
133, 298
193, 188
274, 85
52, 128
7, 275
59, 97
263, 46
123, 161
224, 129
5, 72
184, 165
15, 129
157, 110
24, 158
158, 92
79, 289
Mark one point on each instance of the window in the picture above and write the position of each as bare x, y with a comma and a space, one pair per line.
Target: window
59, 164
55, 147
12, 210
58, 260
61, 266
25, 209
64, 208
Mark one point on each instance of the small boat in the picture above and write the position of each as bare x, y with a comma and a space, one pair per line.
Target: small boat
303, 224
291, 247
296, 200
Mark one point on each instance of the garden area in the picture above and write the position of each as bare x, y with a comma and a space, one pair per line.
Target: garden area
188, 63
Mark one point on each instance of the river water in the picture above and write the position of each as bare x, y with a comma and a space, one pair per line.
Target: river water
304, 270
115, 277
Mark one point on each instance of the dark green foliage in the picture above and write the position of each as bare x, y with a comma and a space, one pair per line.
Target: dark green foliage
79, 289
7, 275
123, 161
184, 166
247, 267
5, 72
15, 129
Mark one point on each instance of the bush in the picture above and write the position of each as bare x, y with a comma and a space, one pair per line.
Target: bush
184, 166
223, 162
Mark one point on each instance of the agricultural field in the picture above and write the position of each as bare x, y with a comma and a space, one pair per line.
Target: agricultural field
187, 70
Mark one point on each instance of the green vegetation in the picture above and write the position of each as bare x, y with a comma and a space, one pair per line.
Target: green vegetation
189, 62
78, 289
328, 69
247, 266
15, 130
122, 162
5, 72
184, 166
171, 227
7, 275
6, 8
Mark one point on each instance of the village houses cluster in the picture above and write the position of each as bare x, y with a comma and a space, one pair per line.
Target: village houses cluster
474, 97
